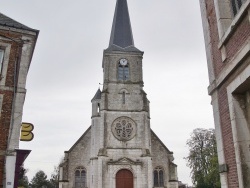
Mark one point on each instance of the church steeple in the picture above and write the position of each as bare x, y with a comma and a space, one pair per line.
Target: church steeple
121, 34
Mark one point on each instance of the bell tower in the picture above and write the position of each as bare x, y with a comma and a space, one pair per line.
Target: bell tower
123, 122
124, 103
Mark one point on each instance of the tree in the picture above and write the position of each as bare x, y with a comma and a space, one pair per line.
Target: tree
54, 180
40, 181
203, 158
23, 179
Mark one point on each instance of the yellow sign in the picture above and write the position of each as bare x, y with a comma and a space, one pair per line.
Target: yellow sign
26, 132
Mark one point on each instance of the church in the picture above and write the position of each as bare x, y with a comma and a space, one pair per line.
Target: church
119, 149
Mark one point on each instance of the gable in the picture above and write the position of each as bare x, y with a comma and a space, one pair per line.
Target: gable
80, 139
157, 139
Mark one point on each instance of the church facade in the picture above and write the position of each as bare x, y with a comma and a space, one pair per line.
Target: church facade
119, 149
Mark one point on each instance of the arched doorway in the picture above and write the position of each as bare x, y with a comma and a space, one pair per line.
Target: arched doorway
124, 179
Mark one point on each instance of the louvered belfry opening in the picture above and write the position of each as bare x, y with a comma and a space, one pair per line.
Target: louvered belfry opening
124, 179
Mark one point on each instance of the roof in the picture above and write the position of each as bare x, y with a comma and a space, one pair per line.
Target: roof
121, 38
170, 152
9, 22
127, 49
97, 95
86, 132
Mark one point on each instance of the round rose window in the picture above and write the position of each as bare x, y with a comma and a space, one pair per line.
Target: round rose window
124, 128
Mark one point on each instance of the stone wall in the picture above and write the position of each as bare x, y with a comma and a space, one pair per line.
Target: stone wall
79, 156
163, 158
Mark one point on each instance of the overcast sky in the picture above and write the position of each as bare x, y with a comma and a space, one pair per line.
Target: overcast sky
66, 71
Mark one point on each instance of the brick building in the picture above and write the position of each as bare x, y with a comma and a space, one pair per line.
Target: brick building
226, 25
17, 43
119, 149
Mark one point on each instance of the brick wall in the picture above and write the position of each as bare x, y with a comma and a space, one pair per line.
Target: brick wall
227, 137
234, 42
214, 37
238, 38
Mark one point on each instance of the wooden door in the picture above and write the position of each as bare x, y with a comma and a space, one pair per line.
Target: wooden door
124, 179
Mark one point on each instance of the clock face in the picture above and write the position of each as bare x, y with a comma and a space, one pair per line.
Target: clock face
123, 62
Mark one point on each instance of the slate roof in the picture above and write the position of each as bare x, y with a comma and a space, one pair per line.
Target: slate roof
9, 22
97, 95
121, 38
83, 135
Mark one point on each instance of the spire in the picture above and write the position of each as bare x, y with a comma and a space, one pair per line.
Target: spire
97, 95
121, 34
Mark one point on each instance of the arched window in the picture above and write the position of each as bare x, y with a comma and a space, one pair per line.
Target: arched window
123, 71
80, 178
158, 177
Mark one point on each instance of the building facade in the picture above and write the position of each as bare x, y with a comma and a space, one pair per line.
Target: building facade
119, 150
226, 25
17, 43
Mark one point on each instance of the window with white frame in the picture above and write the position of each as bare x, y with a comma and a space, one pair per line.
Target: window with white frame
236, 5
1, 60
80, 178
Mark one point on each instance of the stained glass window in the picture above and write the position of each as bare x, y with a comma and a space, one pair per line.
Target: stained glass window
80, 178
124, 128
158, 177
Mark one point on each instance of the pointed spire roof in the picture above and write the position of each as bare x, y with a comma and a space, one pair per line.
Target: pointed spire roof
121, 34
98, 95
6, 21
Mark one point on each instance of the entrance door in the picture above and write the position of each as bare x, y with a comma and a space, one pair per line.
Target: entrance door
124, 179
